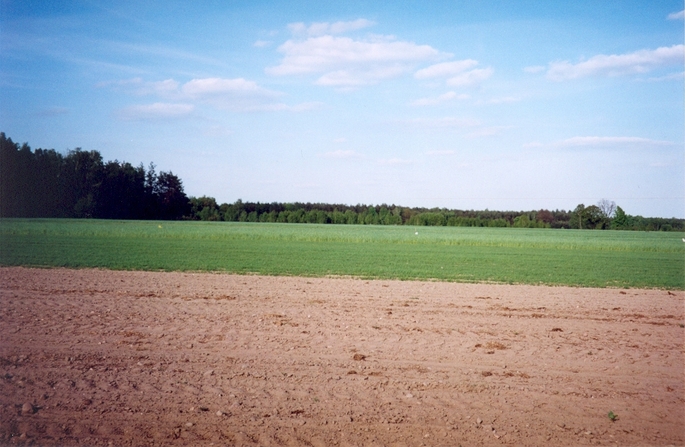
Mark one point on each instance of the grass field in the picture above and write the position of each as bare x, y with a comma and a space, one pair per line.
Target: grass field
502, 255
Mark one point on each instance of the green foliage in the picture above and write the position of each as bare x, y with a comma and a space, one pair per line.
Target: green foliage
501, 255
45, 183
612, 416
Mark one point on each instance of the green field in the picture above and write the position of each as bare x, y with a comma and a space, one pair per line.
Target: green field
501, 255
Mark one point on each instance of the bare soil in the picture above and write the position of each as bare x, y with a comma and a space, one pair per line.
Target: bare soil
100, 358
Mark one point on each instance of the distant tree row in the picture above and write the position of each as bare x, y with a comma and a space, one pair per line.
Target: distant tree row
45, 183
206, 208
603, 216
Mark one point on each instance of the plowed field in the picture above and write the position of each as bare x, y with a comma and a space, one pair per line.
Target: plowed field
98, 358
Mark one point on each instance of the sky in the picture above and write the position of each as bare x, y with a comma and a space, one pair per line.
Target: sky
487, 104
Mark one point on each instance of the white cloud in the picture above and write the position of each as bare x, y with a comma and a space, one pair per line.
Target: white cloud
262, 43
356, 78
470, 78
504, 100
340, 140
229, 94
445, 69
680, 15
445, 97
156, 111
458, 73
641, 61
232, 94
321, 28
612, 142
341, 154
345, 62
217, 86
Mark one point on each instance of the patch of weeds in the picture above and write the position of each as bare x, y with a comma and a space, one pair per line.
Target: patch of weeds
612, 416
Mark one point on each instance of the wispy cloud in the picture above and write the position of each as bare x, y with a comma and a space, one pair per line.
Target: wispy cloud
342, 155
213, 87
680, 15
442, 152
602, 142
395, 161
612, 142
445, 97
262, 43
445, 69
277, 107
470, 78
346, 62
443, 123
321, 28
487, 131
156, 111
503, 100
457, 73
138, 86
641, 61
236, 94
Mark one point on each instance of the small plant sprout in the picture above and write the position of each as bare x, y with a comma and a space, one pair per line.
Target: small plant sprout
612, 416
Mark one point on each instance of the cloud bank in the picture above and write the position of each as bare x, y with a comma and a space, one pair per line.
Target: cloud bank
346, 62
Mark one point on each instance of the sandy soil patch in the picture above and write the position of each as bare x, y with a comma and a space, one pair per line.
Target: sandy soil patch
98, 358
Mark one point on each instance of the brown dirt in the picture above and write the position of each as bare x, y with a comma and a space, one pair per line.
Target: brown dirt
98, 358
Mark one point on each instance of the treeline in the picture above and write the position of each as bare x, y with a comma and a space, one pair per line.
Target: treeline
206, 208
45, 183
603, 216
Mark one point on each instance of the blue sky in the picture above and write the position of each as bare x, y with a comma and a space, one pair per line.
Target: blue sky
461, 104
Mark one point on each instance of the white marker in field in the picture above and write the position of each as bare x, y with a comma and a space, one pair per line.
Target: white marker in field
418, 233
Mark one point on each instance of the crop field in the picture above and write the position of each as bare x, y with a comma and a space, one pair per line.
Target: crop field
500, 255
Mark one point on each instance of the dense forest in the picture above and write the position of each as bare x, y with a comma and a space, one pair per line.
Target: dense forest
45, 183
